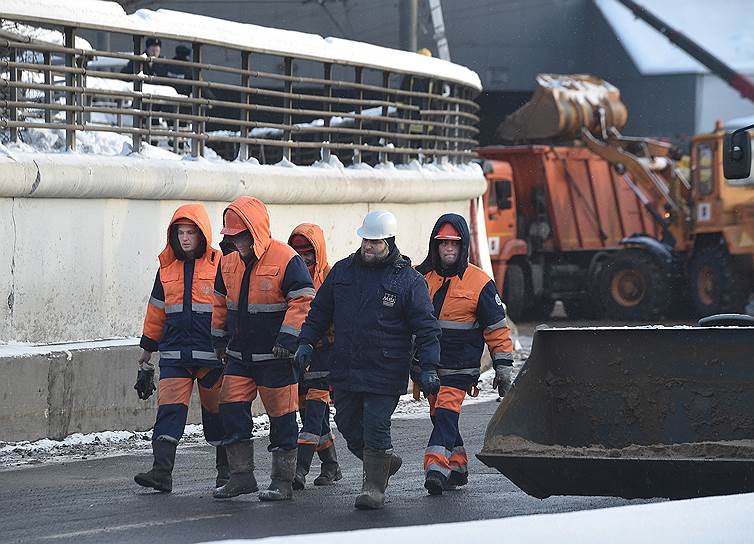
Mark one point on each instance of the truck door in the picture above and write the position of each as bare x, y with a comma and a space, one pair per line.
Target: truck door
501, 207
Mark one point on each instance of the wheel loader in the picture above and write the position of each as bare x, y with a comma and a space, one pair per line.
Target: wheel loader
606, 223
634, 412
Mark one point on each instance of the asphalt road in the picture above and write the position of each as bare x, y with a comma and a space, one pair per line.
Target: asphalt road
97, 500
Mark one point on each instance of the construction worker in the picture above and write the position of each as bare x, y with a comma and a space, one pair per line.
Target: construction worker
314, 392
262, 295
178, 324
470, 313
376, 302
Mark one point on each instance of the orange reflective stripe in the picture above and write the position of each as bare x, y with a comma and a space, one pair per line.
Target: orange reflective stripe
323, 445
279, 401
210, 396
450, 398
459, 458
318, 394
237, 389
435, 459
175, 391
154, 322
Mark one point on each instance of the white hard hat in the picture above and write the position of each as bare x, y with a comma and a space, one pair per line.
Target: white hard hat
378, 225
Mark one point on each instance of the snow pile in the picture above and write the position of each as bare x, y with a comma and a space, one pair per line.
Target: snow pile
100, 444
723, 31
725, 519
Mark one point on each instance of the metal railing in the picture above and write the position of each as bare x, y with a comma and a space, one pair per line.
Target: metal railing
363, 114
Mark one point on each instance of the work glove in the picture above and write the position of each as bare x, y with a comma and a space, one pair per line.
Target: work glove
145, 384
281, 353
303, 357
503, 379
220, 347
430, 381
144, 360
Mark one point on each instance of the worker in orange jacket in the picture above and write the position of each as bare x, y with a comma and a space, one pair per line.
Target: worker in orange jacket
314, 392
470, 312
178, 324
262, 296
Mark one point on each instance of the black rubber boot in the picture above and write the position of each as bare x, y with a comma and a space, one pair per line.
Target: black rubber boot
330, 472
435, 482
241, 464
304, 456
377, 466
221, 463
161, 475
458, 479
283, 471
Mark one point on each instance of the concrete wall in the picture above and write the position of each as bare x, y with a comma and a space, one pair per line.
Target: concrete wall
78, 253
81, 268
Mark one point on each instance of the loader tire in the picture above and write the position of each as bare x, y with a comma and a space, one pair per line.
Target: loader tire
633, 286
716, 285
514, 292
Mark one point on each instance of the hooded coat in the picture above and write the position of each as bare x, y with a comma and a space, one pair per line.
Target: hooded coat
320, 362
261, 302
316, 238
467, 305
179, 313
375, 311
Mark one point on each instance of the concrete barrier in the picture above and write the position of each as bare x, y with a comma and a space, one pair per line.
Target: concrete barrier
59, 390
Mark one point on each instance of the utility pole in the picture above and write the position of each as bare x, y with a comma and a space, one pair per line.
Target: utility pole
409, 14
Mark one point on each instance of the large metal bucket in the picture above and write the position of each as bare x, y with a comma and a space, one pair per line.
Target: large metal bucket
561, 106
630, 412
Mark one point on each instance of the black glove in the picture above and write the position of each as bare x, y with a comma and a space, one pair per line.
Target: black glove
503, 379
430, 381
303, 357
145, 384
280, 352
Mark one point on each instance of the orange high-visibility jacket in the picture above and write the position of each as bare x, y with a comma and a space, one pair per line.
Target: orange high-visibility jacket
263, 303
470, 315
178, 318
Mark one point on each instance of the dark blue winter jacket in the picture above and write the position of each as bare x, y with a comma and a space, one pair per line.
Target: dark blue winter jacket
375, 310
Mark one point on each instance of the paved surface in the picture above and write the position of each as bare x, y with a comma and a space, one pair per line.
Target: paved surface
97, 501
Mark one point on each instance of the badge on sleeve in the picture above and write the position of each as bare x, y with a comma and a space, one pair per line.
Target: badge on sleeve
497, 299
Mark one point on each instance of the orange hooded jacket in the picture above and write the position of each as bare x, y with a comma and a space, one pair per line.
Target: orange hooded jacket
316, 237
265, 302
178, 318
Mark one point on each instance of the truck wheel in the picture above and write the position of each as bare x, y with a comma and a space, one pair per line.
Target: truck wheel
716, 286
633, 286
514, 291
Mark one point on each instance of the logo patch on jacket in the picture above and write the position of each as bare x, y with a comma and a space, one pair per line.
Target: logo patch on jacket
389, 299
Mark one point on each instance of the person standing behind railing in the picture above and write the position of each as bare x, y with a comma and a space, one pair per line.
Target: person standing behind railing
150, 67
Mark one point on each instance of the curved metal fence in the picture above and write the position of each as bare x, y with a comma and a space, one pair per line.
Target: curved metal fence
249, 104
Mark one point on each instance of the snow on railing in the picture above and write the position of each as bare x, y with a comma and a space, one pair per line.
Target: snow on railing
292, 96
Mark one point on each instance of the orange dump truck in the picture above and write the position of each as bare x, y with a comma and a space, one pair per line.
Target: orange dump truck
605, 223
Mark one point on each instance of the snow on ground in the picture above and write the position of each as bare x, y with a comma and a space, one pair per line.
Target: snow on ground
80, 446
708, 520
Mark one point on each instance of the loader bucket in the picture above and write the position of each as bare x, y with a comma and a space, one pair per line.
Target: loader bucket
561, 106
630, 412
